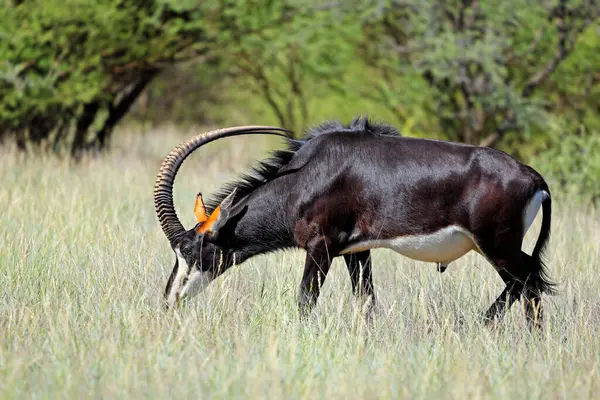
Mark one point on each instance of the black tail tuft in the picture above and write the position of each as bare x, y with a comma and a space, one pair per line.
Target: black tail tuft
539, 276
538, 279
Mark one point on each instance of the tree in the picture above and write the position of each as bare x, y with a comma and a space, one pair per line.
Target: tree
75, 67
479, 63
287, 52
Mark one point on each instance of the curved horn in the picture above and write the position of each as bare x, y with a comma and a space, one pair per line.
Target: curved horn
163, 188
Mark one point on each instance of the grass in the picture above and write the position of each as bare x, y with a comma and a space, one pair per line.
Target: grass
83, 264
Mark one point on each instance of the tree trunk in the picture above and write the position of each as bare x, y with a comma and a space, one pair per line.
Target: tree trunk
85, 120
118, 111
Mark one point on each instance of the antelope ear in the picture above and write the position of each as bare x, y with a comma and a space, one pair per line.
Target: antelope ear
200, 210
218, 218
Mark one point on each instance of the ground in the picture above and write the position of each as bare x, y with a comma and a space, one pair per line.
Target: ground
83, 264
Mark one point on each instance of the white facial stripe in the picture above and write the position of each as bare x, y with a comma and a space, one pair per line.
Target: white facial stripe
182, 273
188, 281
443, 246
196, 283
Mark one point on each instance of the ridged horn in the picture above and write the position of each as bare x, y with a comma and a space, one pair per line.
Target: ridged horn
163, 188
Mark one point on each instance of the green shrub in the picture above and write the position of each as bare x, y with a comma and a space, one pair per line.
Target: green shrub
573, 163
75, 66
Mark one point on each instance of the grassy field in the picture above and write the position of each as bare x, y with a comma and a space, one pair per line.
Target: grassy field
83, 264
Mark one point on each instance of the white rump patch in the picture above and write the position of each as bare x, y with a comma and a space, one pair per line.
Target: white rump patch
532, 208
443, 246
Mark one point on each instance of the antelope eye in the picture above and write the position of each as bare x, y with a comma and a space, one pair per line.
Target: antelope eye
186, 250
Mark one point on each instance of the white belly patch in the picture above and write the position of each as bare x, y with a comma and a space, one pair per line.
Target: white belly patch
442, 246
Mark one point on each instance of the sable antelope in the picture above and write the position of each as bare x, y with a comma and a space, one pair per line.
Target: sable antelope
344, 190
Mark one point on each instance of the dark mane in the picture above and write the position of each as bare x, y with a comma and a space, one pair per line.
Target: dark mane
266, 170
357, 125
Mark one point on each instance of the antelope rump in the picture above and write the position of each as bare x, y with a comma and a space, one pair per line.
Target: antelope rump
344, 190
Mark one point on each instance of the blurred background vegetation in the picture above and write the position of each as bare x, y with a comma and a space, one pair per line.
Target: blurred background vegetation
519, 75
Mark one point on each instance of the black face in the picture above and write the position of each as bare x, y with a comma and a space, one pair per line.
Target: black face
198, 261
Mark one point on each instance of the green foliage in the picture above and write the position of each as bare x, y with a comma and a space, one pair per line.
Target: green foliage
71, 65
514, 74
287, 53
478, 69
574, 90
573, 163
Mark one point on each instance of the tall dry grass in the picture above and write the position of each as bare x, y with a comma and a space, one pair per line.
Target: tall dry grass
83, 264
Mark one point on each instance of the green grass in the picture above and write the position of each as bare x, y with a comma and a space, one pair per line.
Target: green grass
83, 264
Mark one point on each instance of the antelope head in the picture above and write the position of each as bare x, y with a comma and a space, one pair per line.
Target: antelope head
200, 252
199, 259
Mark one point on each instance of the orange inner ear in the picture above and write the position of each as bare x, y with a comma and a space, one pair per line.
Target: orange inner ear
200, 210
208, 225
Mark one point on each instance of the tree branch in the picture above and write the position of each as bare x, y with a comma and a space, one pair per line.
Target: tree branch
530, 49
118, 111
561, 53
263, 82
508, 124
565, 43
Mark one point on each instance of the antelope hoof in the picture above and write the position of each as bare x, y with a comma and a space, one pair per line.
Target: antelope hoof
441, 267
